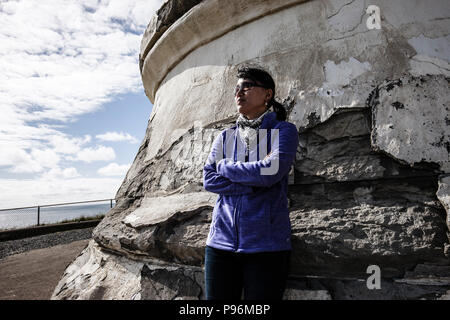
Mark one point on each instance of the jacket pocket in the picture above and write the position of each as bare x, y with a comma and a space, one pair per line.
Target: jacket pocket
215, 210
222, 228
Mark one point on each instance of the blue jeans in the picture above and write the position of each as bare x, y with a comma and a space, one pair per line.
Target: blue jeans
259, 276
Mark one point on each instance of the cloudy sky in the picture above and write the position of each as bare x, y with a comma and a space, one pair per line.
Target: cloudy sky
73, 110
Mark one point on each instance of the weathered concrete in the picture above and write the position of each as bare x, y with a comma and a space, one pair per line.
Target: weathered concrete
370, 181
423, 135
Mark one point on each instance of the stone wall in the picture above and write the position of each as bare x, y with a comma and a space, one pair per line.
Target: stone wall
370, 184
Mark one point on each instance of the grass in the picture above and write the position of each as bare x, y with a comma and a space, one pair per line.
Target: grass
80, 219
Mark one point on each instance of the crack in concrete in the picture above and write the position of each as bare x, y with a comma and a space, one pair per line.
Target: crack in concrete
339, 10
349, 36
437, 19
360, 22
425, 61
352, 29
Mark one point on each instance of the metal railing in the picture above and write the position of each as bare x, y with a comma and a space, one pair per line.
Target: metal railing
52, 213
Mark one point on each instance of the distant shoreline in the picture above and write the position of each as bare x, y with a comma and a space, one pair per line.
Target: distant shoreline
24, 218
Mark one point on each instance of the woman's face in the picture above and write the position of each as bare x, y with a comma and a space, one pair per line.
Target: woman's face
250, 98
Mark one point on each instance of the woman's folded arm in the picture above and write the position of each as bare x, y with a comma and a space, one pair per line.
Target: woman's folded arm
213, 181
266, 172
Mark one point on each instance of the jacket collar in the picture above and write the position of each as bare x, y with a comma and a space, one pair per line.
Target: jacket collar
269, 120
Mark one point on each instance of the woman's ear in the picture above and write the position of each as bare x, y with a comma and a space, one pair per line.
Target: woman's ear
269, 94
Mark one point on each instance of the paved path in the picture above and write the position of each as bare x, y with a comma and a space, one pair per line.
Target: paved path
33, 275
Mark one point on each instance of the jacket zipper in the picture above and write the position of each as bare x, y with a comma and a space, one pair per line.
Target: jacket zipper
236, 227
236, 212
236, 219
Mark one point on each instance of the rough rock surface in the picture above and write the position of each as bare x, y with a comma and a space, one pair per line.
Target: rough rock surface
370, 184
423, 135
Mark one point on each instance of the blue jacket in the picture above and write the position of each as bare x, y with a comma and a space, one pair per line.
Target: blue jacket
251, 213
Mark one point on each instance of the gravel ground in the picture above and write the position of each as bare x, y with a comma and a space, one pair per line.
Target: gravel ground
11, 247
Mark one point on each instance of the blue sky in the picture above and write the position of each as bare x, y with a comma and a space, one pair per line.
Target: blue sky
73, 111
126, 114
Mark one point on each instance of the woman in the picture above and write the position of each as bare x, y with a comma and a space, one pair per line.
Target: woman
248, 246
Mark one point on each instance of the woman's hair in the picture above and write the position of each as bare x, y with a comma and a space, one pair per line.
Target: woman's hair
265, 79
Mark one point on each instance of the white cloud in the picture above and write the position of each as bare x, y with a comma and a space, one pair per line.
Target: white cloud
34, 149
71, 60
114, 169
19, 160
46, 158
61, 60
58, 173
17, 193
116, 136
100, 153
68, 145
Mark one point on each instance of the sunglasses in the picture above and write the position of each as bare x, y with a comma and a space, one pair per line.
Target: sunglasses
245, 86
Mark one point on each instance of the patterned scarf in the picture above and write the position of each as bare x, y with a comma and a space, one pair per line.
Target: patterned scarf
248, 129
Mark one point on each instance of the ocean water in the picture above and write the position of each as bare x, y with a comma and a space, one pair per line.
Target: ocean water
21, 218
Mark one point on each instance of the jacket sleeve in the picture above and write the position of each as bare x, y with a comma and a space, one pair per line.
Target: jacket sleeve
213, 181
266, 172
